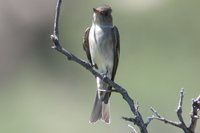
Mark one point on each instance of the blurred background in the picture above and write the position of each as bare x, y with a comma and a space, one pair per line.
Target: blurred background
42, 92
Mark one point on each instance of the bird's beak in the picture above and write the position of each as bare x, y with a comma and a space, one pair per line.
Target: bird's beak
95, 10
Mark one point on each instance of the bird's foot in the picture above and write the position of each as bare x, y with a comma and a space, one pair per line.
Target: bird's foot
104, 76
94, 65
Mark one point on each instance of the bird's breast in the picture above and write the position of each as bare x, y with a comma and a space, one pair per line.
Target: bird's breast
101, 46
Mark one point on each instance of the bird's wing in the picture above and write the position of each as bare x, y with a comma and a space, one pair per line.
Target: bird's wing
86, 46
116, 41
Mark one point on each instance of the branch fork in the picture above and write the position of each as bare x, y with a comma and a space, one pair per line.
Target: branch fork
181, 124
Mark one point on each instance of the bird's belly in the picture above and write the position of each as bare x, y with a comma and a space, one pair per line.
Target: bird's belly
102, 52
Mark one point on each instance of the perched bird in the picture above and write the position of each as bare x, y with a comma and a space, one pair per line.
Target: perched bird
102, 46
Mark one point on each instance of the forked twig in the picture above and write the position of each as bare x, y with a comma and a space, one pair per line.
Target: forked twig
181, 124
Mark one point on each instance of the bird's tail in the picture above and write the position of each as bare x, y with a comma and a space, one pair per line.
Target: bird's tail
101, 110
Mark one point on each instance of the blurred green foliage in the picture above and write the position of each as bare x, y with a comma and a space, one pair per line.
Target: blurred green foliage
42, 92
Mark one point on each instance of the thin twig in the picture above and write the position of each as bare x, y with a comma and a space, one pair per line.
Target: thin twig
134, 131
161, 118
180, 110
194, 114
57, 15
133, 120
57, 46
181, 124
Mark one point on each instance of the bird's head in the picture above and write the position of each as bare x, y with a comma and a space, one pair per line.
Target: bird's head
102, 15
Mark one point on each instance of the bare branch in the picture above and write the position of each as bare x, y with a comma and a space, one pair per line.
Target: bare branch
55, 35
161, 118
57, 46
194, 114
58, 6
134, 131
180, 110
181, 124
149, 119
133, 120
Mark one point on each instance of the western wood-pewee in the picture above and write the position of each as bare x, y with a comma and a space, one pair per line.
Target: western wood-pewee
102, 46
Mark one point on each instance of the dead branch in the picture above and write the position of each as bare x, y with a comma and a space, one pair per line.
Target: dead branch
181, 124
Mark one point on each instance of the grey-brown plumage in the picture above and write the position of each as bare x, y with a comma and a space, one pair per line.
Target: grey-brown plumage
102, 46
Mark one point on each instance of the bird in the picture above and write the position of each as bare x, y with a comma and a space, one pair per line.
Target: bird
101, 43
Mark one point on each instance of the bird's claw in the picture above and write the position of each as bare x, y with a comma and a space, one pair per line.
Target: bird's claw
104, 76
